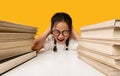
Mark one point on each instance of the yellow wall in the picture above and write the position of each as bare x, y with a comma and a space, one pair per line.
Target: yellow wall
38, 12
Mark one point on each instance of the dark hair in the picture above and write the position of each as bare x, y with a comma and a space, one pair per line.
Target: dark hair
58, 17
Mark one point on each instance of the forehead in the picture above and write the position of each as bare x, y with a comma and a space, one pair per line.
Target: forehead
61, 26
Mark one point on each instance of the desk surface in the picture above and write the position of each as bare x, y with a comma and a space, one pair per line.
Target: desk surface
48, 63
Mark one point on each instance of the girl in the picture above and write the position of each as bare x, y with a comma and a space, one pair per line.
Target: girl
60, 35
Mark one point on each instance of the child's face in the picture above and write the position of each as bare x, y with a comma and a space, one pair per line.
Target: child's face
61, 32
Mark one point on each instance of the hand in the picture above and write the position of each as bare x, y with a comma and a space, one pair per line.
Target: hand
36, 47
75, 35
38, 43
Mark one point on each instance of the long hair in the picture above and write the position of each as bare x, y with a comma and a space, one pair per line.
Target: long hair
58, 17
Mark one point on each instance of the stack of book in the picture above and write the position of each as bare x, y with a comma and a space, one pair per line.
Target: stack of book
99, 46
15, 45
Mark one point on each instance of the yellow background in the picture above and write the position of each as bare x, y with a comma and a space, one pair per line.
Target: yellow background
39, 12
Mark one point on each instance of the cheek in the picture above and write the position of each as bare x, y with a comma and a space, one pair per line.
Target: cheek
54, 37
66, 38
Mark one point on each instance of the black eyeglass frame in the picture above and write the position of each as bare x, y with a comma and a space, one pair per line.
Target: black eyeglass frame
59, 32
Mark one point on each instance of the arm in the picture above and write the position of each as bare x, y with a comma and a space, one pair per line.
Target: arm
75, 35
38, 43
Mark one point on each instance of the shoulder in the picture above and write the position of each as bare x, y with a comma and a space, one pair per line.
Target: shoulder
49, 42
73, 44
50, 38
72, 40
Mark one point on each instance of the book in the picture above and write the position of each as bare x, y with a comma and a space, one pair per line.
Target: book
105, 69
7, 45
15, 25
102, 47
10, 52
15, 47
112, 41
16, 30
15, 36
107, 29
112, 61
12, 63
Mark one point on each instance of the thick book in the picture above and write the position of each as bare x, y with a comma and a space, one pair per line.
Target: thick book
15, 36
10, 52
105, 69
16, 30
103, 47
7, 45
12, 63
107, 29
112, 41
15, 25
112, 61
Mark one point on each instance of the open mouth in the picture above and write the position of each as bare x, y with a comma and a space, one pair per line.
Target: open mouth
61, 40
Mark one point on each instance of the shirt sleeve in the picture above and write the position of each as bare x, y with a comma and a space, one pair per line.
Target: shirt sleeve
73, 44
48, 44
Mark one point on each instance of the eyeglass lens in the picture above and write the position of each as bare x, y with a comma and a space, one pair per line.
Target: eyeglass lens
64, 32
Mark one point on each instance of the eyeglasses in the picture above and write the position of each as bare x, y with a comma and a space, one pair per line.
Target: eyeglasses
65, 33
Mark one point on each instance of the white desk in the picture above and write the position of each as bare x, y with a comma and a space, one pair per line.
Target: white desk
64, 63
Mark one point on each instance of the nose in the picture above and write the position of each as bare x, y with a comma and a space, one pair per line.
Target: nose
60, 36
